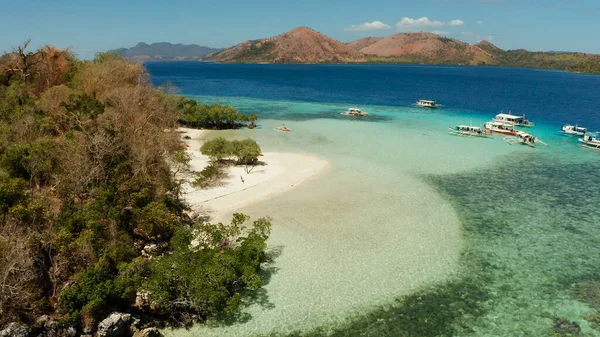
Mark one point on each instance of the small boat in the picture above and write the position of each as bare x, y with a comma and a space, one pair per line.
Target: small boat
573, 130
283, 128
590, 142
474, 131
423, 103
354, 112
513, 120
498, 127
523, 138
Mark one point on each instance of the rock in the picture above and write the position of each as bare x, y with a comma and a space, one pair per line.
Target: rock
155, 249
114, 325
51, 324
15, 330
70, 332
41, 321
148, 332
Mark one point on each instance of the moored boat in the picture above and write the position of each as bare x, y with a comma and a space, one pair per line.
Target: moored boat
573, 130
590, 142
354, 112
424, 103
513, 120
523, 138
283, 128
467, 130
498, 127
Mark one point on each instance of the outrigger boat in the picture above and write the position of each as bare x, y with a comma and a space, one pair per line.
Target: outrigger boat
590, 142
498, 127
512, 120
524, 138
423, 103
283, 128
464, 130
354, 112
573, 130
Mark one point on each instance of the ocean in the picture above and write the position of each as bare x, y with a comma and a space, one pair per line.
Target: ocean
415, 232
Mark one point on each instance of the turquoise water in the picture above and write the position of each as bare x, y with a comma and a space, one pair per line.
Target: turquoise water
415, 232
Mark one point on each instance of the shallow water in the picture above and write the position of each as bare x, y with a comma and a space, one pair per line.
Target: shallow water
415, 232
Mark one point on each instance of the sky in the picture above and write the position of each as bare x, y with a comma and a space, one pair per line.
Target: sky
88, 27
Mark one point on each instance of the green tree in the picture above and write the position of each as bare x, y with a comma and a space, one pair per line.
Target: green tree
246, 151
217, 149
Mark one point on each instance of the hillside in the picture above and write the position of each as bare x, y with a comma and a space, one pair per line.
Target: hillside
304, 45
299, 45
363, 43
427, 48
165, 51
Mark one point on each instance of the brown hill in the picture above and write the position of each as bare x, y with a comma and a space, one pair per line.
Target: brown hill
428, 48
363, 43
299, 45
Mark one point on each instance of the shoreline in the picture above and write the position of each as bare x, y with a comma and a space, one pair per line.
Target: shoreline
280, 173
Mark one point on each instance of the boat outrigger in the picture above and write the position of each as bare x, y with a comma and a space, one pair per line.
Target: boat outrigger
465, 130
523, 138
498, 127
512, 120
354, 112
283, 128
573, 130
423, 103
590, 142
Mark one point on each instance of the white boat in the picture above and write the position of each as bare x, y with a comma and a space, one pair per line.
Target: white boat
523, 138
423, 103
283, 128
467, 130
512, 120
573, 130
498, 127
354, 112
590, 142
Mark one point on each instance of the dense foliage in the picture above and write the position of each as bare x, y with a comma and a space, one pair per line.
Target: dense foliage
211, 116
245, 151
87, 151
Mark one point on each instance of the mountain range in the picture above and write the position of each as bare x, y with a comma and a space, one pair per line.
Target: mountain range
165, 51
305, 45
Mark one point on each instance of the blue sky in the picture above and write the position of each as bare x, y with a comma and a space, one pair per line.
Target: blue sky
91, 26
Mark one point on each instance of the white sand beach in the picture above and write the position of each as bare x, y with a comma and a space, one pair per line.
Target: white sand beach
281, 172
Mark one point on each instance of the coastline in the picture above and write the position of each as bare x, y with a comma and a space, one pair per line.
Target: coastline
279, 173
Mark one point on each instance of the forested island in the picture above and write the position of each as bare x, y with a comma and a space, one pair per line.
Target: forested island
93, 221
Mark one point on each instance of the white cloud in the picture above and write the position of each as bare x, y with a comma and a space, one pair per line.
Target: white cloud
440, 32
408, 24
424, 22
480, 22
477, 37
375, 25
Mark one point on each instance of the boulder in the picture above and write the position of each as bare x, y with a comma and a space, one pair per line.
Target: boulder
148, 332
15, 330
114, 325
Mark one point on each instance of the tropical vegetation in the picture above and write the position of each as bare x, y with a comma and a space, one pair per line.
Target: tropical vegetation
88, 194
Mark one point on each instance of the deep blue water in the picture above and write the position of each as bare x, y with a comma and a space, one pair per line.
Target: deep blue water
545, 96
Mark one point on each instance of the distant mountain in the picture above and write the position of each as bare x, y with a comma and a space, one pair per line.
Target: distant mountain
165, 51
427, 48
363, 43
304, 45
299, 45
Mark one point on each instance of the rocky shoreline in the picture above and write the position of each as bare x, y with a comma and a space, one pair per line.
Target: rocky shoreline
115, 325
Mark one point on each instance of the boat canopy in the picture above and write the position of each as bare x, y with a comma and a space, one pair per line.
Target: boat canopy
426, 101
509, 117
